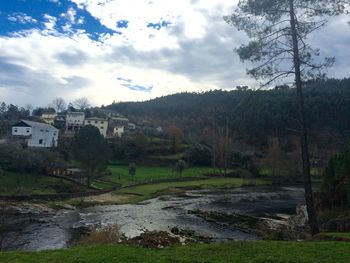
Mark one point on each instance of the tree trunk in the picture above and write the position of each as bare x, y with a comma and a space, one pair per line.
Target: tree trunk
88, 177
303, 137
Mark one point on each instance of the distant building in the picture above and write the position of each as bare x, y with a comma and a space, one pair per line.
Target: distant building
101, 124
48, 118
74, 121
36, 134
131, 127
120, 121
117, 126
60, 121
118, 131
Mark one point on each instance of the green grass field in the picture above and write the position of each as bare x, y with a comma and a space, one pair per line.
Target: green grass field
148, 173
240, 252
14, 183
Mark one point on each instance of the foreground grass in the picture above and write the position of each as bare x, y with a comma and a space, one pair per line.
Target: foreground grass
143, 192
242, 252
336, 236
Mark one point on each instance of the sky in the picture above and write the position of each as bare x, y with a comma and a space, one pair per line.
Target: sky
118, 50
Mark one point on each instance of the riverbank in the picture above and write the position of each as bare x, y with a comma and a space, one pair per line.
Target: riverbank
140, 192
253, 251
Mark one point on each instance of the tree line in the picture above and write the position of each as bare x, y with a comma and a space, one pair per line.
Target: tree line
249, 112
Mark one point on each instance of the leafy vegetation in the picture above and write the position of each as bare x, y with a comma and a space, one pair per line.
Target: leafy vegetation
91, 149
257, 114
336, 180
23, 183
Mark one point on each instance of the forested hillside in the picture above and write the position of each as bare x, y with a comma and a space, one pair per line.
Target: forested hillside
258, 114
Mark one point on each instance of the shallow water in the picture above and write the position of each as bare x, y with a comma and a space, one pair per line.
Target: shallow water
58, 229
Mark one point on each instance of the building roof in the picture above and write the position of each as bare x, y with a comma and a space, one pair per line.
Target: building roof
95, 119
75, 113
120, 118
34, 124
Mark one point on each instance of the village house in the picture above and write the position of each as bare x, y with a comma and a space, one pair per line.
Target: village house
117, 126
74, 121
36, 134
48, 118
60, 121
101, 124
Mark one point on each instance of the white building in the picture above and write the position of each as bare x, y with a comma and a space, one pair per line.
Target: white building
48, 118
99, 123
36, 134
74, 120
118, 131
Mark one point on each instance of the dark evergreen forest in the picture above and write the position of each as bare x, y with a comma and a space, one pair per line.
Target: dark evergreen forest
253, 113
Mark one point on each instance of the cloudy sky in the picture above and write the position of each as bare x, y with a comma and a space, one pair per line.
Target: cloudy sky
118, 50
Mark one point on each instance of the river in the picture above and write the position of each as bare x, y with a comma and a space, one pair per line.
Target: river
56, 229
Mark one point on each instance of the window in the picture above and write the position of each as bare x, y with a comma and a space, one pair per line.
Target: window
101, 128
54, 133
28, 130
41, 130
41, 141
15, 130
96, 121
102, 122
89, 121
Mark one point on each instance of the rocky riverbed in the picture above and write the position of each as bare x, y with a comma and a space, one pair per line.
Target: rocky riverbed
246, 213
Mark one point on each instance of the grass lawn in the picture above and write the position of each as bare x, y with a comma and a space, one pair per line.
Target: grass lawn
14, 183
143, 192
148, 173
241, 252
333, 236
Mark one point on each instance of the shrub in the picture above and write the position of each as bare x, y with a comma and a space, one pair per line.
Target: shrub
336, 180
199, 154
13, 157
110, 234
180, 166
132, 169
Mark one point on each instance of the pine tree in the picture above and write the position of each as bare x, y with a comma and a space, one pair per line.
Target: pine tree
278, 32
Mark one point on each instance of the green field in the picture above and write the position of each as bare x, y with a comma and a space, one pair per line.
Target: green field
240, 252
23, 184
121, 175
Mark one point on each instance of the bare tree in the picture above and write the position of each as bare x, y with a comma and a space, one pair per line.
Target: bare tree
59, 104
278, 32
29, 108
82, 103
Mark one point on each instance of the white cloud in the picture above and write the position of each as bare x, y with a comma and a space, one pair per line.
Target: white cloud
21, 18
193, 53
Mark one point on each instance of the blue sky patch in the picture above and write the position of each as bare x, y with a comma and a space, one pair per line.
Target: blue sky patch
19, 15
122, 24
128, 83
160, 25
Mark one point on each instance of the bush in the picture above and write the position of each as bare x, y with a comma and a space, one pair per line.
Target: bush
13, 157
240, 160
180, 166
199, 154
110, 234
336, 180
132, 169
